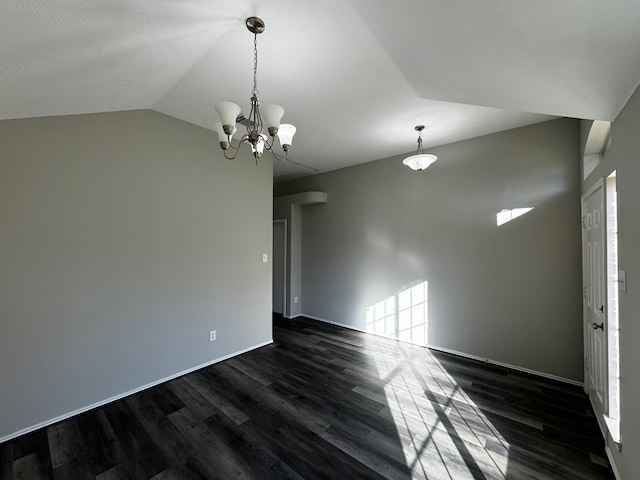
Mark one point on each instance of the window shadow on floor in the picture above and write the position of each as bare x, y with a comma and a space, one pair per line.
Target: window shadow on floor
497, 423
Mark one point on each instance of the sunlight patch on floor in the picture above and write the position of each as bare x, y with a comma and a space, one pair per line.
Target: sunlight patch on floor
442, 431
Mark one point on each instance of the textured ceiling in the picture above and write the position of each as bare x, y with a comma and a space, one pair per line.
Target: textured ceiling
354, 76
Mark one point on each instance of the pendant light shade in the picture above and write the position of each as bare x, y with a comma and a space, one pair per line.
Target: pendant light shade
285, 134
420, 161
271, 115
223, 138
228, 112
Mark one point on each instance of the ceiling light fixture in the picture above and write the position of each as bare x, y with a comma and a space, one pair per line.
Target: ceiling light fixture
420, 160
257, 121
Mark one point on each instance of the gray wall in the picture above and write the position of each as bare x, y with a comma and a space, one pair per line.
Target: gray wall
124, 238
624, 156
511, 294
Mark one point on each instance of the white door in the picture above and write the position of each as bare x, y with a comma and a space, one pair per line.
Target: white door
595, 297
279, 265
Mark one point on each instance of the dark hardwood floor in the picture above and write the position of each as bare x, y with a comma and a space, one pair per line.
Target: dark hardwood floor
327, 402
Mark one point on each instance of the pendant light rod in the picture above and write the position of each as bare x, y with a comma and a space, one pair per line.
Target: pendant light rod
419, 129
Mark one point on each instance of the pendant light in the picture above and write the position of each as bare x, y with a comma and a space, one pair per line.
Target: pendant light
420, 160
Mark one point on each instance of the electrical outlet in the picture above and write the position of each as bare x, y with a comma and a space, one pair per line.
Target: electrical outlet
212, 335
295, 299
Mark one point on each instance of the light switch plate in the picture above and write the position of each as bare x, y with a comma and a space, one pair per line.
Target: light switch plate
265, 258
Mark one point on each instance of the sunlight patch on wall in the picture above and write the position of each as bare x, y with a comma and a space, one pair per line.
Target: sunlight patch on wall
506, 215
404, 316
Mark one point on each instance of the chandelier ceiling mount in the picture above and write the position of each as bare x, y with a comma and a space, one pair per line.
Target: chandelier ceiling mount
255, 25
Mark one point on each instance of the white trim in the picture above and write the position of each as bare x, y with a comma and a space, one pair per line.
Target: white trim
613, 427
350, 327
461, 354
101, 403
599, 183
612, 463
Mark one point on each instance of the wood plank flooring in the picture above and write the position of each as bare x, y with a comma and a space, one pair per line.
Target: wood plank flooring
327, 402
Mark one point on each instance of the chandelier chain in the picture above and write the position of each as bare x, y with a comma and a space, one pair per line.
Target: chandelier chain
255, 65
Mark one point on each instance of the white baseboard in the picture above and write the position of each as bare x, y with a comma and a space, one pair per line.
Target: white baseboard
507, 365
350, 327
101, 403
461, 354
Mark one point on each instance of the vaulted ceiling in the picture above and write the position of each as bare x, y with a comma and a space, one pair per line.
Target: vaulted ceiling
354, 76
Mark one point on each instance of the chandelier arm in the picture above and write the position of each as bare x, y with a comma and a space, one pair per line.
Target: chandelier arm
235, 154
244, 138
273, 152
268, 145
235, 149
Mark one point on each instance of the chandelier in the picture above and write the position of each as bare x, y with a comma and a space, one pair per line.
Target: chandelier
258, 120
420, 160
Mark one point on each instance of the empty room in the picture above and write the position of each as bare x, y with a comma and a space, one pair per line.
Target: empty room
341, 239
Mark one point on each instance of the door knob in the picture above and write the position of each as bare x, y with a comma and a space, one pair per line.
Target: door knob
596, 326
601, 308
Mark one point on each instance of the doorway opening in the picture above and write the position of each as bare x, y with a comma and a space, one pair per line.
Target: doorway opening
279, 268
